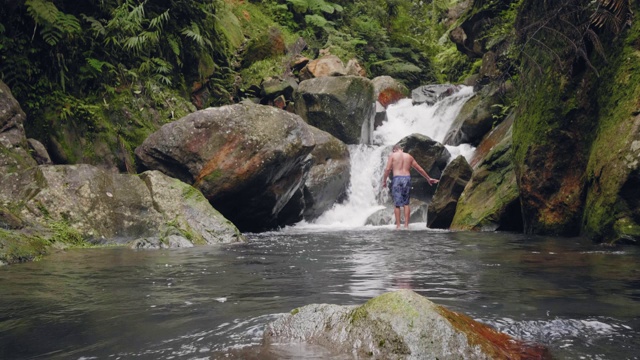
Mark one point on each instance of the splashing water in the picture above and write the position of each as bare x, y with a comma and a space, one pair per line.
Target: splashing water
367, 162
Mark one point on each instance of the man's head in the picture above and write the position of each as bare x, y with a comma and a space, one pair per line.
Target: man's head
397, 147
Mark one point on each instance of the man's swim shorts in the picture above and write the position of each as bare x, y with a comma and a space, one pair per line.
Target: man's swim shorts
400, 188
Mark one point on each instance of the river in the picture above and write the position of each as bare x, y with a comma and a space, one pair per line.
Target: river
579, 299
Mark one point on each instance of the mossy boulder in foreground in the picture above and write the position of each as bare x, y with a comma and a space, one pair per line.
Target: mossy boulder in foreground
397, 325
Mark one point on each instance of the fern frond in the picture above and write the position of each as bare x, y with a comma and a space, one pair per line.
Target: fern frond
299, 6
163, 79
42, 11
51, 35
316, 20
137, 12
194, 34
96, 26
174, 45
134, 43
159, 20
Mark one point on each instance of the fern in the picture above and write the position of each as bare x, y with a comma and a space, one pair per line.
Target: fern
97, 65
194, 34
316, 20
55, 25
159, 20
42, 11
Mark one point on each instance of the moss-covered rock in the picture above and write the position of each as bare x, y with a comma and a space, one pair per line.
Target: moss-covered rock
397, 325
490, 201
552, 134
78, 205
612, 211
17, 246
106, 135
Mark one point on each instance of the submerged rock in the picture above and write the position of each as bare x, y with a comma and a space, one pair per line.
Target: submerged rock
397, 325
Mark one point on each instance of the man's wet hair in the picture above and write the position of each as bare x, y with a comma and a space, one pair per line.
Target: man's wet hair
396, 147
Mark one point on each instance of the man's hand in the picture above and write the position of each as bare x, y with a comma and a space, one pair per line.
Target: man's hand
432, 181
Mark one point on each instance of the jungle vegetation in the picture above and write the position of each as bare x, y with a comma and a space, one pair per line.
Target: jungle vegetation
66, 59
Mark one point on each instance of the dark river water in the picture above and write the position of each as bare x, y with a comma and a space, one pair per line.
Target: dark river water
579, 299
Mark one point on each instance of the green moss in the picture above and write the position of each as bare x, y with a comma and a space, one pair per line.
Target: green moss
295, 311
257, 71
606, 217
213, 176
18, 247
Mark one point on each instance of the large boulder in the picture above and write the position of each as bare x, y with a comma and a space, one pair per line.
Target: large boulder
103, 207
476, 118
396, 325
490, 201
389, 90
329, 175
248, 160
328, 65
432, 156
491, 139
342, 106
430, 94
14, 148
612, 206
443, 205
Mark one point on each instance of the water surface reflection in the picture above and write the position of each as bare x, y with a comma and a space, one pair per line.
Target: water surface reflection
580, 299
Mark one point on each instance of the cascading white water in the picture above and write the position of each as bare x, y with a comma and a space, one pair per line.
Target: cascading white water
368, 161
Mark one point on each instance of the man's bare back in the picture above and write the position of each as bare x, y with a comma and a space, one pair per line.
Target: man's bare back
401, 163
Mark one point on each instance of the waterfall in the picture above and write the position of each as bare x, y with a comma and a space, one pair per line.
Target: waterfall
368, 161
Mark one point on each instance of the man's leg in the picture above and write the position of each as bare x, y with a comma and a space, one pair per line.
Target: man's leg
396, 212
407, 213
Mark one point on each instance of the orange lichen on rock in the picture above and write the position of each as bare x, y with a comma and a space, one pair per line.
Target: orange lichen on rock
389, 96
499, 345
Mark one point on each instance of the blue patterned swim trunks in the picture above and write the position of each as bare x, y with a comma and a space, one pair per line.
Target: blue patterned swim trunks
400, 188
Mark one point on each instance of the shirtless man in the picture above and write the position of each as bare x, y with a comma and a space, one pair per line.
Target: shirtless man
401, 163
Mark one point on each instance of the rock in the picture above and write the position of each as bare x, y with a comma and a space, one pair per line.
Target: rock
380, 117
386, 217
342, 106
107, 208
397, 325
328, 65
490, 140
39, 152
248, 160
443, 205
274, 87
354, 68
14, 149
470, 36
329, 175
388, 90
430, 94
476, 118
491, 200
187, 209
